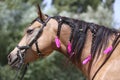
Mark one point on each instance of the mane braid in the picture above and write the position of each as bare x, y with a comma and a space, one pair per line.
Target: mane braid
101, 41
100, 37
78, 37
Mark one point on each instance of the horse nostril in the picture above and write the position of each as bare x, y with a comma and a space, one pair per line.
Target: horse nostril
9, 58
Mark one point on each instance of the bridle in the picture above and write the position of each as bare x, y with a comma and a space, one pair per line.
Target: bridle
23, 49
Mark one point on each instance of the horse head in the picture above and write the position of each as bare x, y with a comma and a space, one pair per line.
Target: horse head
39, 40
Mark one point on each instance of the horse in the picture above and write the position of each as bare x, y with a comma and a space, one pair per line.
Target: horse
93, 48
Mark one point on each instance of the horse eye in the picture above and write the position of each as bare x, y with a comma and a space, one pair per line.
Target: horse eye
30, 31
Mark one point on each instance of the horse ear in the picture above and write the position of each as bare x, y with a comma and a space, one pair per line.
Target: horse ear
41, 16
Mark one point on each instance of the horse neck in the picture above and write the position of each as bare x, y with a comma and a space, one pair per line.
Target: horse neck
64, 38
88, 70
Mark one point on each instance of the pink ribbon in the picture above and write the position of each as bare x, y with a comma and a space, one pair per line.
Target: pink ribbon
57, 42
86, 60
106, 51
69, 47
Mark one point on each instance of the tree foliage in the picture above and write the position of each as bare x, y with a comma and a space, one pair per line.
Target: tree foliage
101, 16
75, 5
12, 21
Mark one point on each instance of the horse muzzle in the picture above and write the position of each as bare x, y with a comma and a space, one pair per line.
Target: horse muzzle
13, 61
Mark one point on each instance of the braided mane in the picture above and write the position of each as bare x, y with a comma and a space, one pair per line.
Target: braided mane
100, 36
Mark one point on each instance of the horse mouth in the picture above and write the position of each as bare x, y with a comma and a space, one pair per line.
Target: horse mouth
15, 64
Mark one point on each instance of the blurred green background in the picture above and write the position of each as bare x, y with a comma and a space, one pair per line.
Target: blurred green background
16, 15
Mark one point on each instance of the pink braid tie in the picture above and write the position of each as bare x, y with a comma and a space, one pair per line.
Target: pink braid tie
86, 60
106, 51
57, 42
69, 47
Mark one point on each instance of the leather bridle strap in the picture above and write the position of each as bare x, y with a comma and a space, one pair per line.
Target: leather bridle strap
39, 34
37, 48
